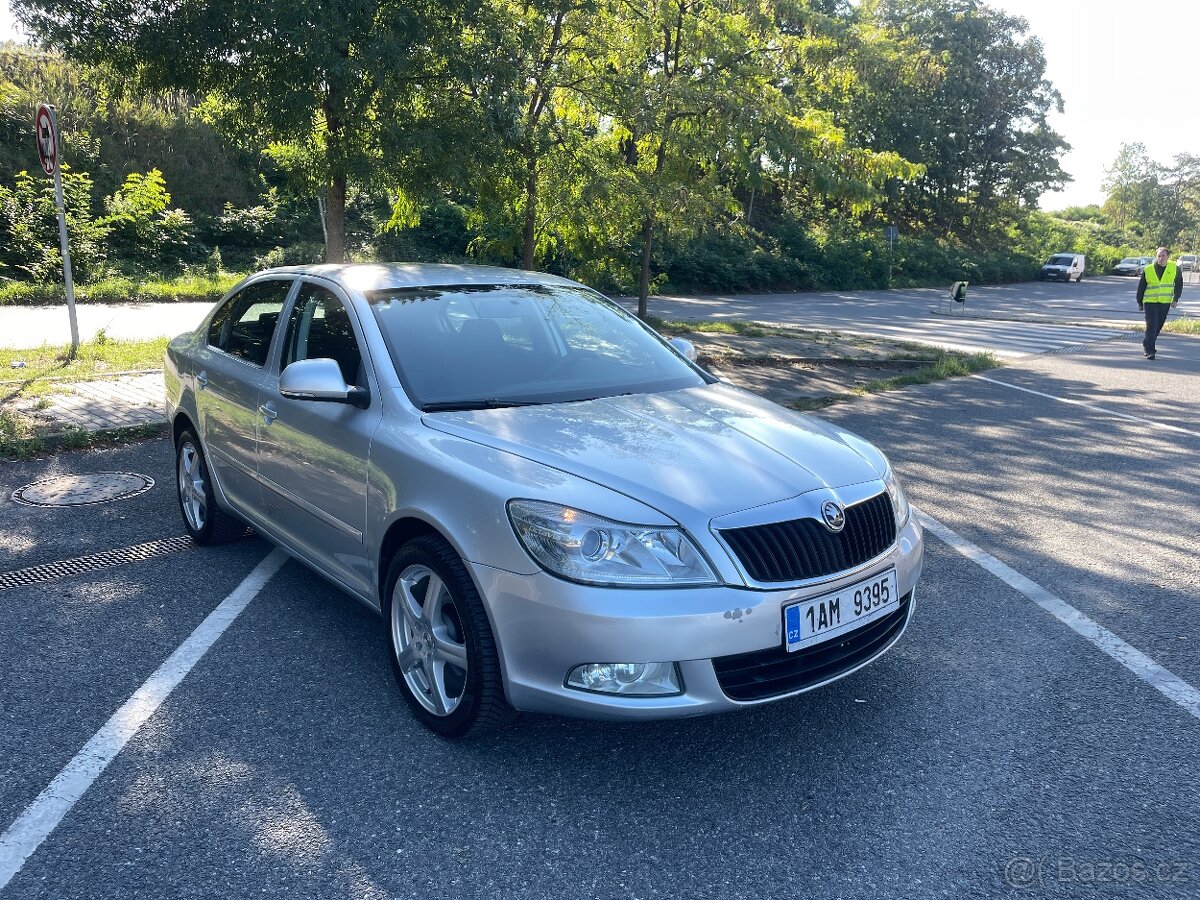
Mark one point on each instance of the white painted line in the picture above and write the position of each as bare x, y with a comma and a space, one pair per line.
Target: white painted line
42, 816
1099, 409
1166, 683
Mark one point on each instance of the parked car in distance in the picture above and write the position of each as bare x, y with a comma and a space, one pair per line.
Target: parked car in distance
551, 507
1131, 265
1186, 262
1063, 267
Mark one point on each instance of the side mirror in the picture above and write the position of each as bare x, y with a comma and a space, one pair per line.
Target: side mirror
684, 346
320, 380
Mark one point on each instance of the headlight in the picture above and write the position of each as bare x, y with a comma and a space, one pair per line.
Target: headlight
899, 501
584, 547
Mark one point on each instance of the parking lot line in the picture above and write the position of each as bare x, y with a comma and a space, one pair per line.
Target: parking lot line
1165, 682
1093, 408
42, 816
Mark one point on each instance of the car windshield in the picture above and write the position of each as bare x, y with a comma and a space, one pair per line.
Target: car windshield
485, 346
1130, 261
1060, 261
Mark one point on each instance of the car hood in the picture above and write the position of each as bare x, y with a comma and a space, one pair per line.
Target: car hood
712, 450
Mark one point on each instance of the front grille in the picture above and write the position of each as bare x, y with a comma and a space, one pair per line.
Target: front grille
774, 672
805, 548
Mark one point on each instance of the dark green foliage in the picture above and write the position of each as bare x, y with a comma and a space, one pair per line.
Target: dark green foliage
441, 236
29, 238
764, 147
733, 262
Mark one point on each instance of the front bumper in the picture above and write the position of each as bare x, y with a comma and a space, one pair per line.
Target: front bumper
545, 627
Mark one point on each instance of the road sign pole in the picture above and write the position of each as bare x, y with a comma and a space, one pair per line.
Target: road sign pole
49, 142
66, 255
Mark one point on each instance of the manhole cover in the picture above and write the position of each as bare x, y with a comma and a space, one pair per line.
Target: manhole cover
82, 490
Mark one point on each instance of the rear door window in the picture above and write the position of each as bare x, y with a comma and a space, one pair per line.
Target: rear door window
245, 323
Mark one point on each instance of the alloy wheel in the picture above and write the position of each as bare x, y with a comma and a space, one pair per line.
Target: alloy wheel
429, 640
193, 494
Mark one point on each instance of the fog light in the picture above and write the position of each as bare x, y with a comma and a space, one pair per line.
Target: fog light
659, 679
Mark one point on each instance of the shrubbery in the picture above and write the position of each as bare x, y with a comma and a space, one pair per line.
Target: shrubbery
193, 288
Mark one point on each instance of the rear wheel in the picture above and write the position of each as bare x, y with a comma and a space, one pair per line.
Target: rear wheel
205, 521
443, 652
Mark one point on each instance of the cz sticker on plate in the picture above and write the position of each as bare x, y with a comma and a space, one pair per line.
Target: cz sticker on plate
832, 615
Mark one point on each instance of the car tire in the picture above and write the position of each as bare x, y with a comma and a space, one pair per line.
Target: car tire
1079, 279
441, 644
206, 522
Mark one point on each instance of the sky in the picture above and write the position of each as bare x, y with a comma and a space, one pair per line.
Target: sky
1097, 56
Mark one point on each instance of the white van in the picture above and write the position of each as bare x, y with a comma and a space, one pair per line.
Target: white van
1063, 267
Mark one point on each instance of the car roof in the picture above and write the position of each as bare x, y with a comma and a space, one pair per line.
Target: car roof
385, 276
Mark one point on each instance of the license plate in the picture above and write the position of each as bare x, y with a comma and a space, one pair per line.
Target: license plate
832, 615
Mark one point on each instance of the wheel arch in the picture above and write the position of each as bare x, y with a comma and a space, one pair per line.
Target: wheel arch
399, 533
407, 528
183, 422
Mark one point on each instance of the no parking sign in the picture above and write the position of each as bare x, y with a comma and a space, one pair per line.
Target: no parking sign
46, 130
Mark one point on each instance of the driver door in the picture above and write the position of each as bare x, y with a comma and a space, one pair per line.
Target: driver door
313, 455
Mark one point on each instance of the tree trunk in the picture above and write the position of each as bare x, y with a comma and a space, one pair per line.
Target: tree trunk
335, 219
531, 202
644, 281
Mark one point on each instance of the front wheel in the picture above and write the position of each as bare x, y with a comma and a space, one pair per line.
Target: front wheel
205, 521
443, 652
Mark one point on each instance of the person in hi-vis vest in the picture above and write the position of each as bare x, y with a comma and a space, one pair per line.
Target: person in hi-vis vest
1158, 290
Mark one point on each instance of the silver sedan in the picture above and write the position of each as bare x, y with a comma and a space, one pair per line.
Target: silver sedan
551, 507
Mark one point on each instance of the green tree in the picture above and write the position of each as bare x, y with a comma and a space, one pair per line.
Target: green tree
971, 108
304, 71
520, 89
1130, 184
677, 78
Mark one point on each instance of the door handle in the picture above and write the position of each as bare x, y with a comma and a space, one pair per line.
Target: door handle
268, 412
202, 380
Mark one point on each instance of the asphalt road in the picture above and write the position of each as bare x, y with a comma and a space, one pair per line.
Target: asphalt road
1010, 320
993, 752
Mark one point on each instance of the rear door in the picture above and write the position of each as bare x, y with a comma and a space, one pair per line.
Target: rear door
313, 455
229, 372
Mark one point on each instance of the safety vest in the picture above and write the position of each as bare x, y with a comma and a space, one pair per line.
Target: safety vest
1160, 290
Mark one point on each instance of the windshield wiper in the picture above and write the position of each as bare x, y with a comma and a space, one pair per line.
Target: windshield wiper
464, 405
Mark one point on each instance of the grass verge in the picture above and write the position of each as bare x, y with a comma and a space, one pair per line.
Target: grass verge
44, 371
95, 359
186, 288
1183, 326
944, 364
923, 364
18, 442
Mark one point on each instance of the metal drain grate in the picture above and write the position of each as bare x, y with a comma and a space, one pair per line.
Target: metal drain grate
84, 564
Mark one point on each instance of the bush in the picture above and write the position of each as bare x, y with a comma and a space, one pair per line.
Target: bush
143, 234
295, 255
29, 240
187, 289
